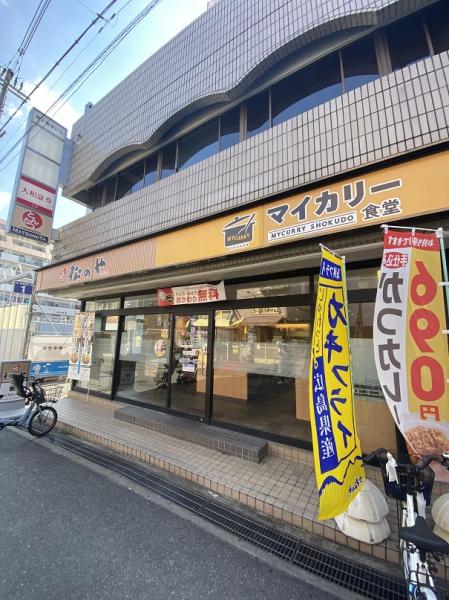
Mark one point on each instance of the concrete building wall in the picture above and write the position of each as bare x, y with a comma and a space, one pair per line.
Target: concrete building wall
396, 114
215, 58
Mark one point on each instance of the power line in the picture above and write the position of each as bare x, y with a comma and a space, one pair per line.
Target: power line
53, 85
29, 34
16, 55
84, 75
58, 62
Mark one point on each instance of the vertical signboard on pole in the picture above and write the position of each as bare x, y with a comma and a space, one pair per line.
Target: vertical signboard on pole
80, 360
34, 196
336, 447
411, 353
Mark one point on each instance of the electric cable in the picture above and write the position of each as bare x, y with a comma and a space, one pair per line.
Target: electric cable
84, 75
85, 47
29, 34
43, 5
58, 62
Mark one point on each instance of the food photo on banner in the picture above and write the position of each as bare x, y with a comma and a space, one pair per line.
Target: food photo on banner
336, 446
80, 360
410, 347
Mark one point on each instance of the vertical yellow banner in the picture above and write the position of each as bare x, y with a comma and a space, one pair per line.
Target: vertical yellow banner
336, 446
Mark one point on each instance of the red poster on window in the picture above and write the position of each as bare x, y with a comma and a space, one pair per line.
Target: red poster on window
191, 294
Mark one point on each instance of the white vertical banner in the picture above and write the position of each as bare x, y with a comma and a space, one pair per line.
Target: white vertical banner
411, 353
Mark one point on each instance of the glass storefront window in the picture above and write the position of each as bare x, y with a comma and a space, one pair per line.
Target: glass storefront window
189, 371
103, 354
103, 304
362, 279
261, 369
271, 287
358, 279
375, 424
144, 359
139, 301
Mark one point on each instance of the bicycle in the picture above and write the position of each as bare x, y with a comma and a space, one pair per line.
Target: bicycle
37, 415
411, 486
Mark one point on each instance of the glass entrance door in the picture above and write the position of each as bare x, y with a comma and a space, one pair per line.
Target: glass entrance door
189, 365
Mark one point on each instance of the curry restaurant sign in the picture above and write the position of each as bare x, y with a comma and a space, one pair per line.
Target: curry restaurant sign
381, 196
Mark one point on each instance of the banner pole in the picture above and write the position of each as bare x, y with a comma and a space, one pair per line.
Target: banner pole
345, 293
408, 228
440, 234
323, 247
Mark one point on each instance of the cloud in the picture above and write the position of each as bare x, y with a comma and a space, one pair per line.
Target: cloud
4, 2
5, 198
44, 97
11, 110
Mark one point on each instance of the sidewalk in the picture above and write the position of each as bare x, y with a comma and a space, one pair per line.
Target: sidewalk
282, 486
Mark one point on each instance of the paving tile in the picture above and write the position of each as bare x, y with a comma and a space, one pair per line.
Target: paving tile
278, 487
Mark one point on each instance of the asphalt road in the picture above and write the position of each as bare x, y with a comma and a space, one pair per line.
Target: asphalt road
71, 531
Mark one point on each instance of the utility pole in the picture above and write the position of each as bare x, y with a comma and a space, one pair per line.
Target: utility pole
6, 86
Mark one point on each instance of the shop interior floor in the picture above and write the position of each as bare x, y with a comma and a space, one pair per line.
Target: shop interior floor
223, 440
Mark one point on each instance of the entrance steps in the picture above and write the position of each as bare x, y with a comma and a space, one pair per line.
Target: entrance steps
222, 440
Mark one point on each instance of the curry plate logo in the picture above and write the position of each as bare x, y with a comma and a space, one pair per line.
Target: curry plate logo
239, 232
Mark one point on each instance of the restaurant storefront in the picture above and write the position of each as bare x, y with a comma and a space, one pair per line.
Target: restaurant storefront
240, 358
241, 363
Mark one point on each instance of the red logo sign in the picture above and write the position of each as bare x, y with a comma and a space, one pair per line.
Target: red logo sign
32, 219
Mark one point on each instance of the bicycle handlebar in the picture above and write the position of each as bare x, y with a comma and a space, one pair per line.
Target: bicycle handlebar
368, 458
423, 463
428, 458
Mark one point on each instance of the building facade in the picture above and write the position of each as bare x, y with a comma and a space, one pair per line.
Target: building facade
50, 323
260, 131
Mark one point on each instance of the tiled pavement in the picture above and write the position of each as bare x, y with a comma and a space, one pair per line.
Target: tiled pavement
282, 486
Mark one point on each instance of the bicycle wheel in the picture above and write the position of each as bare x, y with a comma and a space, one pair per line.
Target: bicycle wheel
42, 421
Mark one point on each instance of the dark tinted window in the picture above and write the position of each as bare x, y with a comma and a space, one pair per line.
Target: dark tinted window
150, 170
130, 180
95, 196
110, 190
312, 86
437, 19
359, 64
407, 42
168, 162
230, 128
258, 114
198, 144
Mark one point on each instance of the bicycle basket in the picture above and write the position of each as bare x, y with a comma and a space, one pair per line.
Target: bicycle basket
394, 490
422, 481
51, 393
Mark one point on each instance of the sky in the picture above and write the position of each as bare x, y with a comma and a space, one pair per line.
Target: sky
62, 23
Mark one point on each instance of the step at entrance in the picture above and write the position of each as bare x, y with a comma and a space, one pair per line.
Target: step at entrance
225, 441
